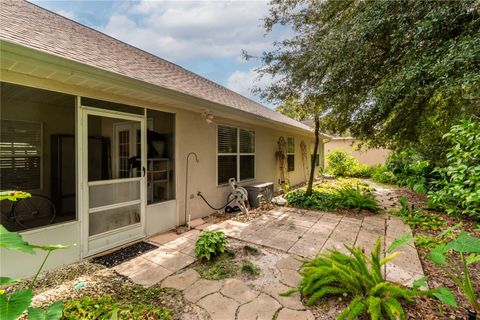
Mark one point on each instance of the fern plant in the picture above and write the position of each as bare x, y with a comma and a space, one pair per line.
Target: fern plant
210, 244
360, 277
356, 198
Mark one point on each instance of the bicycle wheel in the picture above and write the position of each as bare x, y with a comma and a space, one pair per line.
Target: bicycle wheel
33, 212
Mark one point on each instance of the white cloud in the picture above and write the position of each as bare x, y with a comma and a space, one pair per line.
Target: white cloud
244, 81
67, 14
183, 30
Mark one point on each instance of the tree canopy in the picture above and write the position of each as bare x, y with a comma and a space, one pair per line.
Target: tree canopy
393, 73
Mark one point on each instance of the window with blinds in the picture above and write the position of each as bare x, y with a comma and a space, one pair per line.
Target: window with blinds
20, 155
236, 154
290, 154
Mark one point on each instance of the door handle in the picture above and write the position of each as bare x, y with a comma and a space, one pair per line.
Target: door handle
144, 171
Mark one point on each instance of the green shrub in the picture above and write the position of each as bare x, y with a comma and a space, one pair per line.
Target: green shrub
411, 169
210, 244
458, 187
340, 163
360, 170
359, 277
343, 194
381, 174
107, 307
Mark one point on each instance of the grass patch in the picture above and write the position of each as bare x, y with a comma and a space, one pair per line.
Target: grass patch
251, 250
226, 266
251, 269
339, 194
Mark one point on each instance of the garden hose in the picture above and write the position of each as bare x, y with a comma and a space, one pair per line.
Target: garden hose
201, 196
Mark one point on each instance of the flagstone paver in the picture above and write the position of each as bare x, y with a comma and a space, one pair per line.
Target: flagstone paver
288, 314
150, 276
238, 290
292, 301
290, 277
181, 281
288, 263
262, 308
201, 288
219, 307
164, 238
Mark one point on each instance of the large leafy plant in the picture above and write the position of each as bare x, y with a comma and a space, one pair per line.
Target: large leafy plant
467, 248
13, 305
459, 186
360, 277
210, 244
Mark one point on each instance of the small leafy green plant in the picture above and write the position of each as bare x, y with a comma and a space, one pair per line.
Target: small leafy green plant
360, 277
210, 244
468, 249
15, 304
417, 219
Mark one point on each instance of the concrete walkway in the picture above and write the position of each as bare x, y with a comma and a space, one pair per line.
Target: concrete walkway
304, 233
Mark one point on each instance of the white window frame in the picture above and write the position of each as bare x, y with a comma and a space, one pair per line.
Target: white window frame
237, 154
291, 153
40, 152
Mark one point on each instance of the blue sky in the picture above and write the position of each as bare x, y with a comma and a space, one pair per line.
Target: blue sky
206, 37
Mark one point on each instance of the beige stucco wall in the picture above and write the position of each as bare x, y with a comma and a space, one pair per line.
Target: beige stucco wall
193, 133
365, 156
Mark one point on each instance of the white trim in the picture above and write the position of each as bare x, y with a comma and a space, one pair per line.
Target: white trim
113, 181
86, 210
114, 206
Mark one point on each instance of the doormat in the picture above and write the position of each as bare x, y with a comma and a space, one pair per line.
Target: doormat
115, 258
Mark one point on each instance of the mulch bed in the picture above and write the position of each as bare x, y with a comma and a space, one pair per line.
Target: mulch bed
117, 257
430, 308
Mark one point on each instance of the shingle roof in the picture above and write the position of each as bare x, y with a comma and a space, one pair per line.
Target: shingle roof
29, 25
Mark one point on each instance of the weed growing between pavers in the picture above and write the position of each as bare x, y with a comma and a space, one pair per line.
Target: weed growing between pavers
251, 250
251, 269
230, 264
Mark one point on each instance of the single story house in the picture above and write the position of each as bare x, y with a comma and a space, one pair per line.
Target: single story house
100, 132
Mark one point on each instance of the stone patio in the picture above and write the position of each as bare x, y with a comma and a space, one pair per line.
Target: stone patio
287, 235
